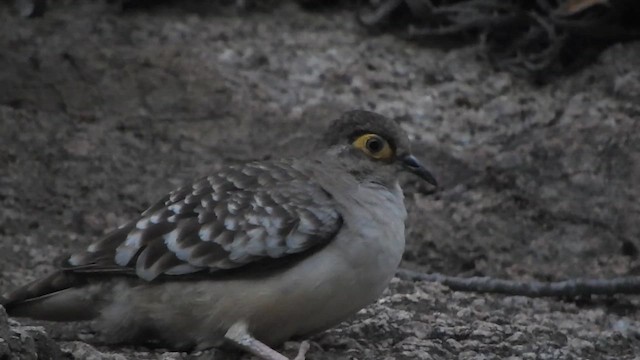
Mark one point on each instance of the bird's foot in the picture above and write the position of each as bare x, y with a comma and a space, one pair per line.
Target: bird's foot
302, 350
239, 335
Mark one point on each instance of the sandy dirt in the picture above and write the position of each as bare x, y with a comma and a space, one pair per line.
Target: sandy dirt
102, 112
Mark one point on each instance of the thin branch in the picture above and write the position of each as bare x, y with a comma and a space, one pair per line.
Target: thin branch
380, 14
534, 36
545, 58
460, 26
567, 288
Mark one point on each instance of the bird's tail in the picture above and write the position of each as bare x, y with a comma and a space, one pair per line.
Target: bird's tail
62, 296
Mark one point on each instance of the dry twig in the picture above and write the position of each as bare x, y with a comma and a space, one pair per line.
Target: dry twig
541, 37
567, 288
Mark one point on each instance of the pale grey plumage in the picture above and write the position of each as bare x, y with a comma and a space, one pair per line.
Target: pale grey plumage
280, 248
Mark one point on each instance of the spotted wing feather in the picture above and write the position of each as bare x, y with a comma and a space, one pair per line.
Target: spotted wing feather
240, 215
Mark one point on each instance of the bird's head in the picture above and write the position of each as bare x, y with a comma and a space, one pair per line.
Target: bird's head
373, 148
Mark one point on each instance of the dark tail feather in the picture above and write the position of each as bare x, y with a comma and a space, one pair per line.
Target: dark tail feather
62, 296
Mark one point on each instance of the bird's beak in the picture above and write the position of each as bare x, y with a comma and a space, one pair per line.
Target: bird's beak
413, 165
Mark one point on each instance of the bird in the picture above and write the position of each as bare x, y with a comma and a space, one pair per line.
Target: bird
249, 256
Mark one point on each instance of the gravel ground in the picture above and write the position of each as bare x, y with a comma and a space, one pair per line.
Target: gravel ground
102, 112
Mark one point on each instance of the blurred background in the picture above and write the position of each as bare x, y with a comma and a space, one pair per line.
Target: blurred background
527, 112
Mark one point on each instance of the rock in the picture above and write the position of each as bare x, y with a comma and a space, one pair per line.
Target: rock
81, 350
26, 342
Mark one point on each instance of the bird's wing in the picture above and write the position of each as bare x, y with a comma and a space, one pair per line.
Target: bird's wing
241, 215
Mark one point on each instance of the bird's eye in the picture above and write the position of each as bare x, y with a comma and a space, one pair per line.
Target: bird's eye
374, 145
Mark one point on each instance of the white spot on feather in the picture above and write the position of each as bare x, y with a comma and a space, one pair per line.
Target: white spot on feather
134, 239
142, 223
231, 223
156, 218
74, 259
256, 233
176, 208
255, 247
276, 251
125, 253
175, 247
306, 225
296, 241
171, 238
205, 233
233, 207
272, 224
252, 219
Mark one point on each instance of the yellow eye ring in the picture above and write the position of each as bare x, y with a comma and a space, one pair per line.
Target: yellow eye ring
374, 145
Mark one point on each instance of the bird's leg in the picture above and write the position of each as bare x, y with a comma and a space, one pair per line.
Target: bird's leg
302, 350
239, 335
